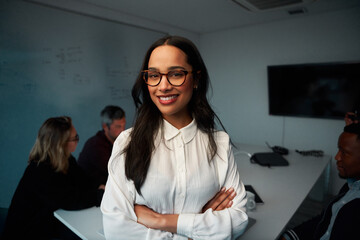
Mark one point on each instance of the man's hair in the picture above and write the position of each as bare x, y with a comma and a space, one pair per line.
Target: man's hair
353, 128
111, 113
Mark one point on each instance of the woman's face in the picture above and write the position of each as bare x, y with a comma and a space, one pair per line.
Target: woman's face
73, 140
171, 100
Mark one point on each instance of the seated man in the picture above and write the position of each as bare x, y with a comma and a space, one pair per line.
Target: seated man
96, 152
341, 218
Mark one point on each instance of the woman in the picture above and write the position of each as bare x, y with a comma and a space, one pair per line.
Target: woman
166, 170
52, 180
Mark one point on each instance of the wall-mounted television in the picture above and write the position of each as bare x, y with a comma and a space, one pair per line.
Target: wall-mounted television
315, 90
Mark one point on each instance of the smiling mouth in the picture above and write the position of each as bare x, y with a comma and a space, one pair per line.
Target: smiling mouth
167, 99
339, 167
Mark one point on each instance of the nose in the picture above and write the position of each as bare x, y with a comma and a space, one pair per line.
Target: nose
337, 156
164, 84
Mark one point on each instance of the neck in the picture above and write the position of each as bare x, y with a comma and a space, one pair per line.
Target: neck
109, 138
178, 122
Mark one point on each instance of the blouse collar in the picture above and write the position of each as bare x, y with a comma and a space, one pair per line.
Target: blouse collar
187, 133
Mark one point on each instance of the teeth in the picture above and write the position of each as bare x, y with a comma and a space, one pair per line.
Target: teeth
167, 98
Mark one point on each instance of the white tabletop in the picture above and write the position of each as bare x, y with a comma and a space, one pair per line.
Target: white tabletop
282, 189
86, 223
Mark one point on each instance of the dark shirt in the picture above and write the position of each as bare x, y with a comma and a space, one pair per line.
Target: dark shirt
40, 192
94, 157
345, 226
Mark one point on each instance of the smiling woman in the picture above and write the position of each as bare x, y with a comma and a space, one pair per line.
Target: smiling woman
172, 100
173, 174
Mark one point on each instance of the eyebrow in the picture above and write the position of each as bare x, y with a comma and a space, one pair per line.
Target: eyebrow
170, 68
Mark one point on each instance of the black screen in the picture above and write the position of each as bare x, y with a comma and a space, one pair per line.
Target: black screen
326, 90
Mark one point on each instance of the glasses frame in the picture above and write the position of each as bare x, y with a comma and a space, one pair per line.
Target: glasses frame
167, 77
74, 139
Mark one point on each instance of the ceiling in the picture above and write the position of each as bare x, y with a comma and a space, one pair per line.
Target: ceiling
204, 16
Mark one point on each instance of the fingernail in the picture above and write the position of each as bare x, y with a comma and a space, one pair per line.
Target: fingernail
222, 189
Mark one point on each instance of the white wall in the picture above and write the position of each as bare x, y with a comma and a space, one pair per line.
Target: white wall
41, 76
237, 61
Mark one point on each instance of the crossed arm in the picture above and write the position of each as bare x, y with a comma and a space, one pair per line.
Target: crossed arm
168, 222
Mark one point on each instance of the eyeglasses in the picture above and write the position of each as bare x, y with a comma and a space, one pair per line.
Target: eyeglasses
74, 139
175, 77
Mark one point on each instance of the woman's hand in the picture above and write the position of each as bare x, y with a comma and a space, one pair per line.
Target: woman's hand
154, 220
221, 200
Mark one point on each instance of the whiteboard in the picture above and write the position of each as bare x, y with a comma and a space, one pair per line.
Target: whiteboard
53, 63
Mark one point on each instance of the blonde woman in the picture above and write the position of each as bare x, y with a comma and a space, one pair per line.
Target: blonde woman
52, 180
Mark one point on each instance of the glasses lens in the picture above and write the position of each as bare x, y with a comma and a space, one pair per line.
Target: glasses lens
177, 77
152, 77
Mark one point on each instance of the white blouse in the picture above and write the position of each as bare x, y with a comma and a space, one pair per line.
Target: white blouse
180, 180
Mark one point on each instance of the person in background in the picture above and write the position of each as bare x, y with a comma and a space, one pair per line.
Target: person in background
52, 180
96, 152
341, 218
173, 175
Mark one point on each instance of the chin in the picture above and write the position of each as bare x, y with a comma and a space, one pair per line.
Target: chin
342, 176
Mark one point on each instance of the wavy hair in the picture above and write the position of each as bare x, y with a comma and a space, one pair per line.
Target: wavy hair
51, 143
149, 119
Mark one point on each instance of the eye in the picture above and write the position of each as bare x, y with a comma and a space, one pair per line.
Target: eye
153, 75
344, 153
176, 74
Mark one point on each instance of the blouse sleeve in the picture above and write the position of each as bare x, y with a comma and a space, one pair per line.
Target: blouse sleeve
117, 206
228, 223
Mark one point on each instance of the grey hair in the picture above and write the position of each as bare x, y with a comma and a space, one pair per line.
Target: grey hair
111, 113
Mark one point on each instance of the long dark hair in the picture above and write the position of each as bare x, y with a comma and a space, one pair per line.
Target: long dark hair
148, 119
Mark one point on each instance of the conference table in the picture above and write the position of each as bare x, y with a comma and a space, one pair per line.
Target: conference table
282, 188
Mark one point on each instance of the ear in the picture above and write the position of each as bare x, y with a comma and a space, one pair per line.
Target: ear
196, 78
104, 126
